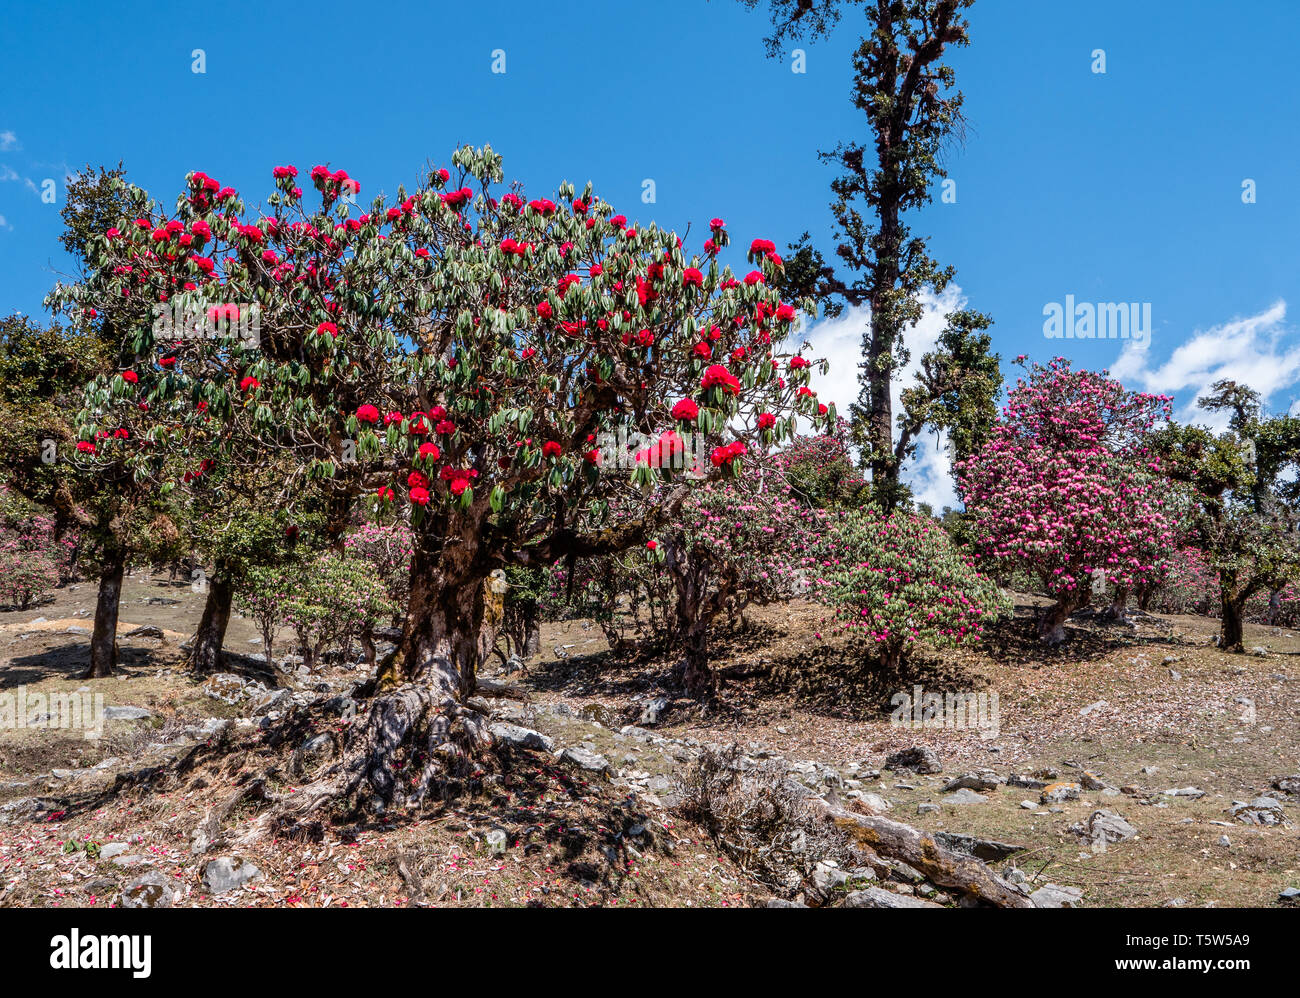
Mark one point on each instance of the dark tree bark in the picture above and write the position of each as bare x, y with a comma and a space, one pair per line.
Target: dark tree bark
103, 640
532, 637
443, 641
1051, 624
211, 634
1232, 627
1118, 608
697, 675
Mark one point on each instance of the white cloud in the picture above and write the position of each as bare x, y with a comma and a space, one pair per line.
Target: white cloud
8, 141
1259, 351
4, 224
839, 340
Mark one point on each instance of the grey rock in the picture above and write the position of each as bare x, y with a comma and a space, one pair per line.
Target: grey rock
927, 808
341, 706
1056, 896
110, 849
317, 749
918, 758
226, 687
126, 714
76, 629
1104, 826
971, 781
272, 700
782, 903
1289, 785
653, 712
1260, 811
228, 873
153, 890
827, 876
1193, 792
1025, 782
1057, 793
878, 897
145, 631
1290, 896
964, 796
521, 737
584, 759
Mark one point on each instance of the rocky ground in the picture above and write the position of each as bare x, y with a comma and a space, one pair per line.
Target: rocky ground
1139, 766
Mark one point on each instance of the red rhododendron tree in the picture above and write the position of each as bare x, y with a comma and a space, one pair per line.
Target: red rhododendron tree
1068, 487
457, 353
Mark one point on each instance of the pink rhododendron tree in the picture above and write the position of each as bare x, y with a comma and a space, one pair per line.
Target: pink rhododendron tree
901, 581
1068, 486
741, 541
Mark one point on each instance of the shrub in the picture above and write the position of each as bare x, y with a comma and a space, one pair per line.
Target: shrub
26, 577
327, 602
901, 581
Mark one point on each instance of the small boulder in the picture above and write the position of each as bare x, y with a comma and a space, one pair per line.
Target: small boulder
126, 714
521, 737
878, 897
229, 873
153, 890
918, 758
1056, 896
592, 762
1260, 811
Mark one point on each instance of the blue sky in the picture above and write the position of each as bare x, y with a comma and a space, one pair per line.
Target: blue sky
1122, 186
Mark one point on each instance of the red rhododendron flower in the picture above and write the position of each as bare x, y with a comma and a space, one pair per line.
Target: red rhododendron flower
328, 327
692, 275
458, 486
420, 496
445, 427
686, 410
248, 384
716, 374
430, 451
551, 449
130, 377
797, 362
766, 421
417, 480
651, 545
368, 414
385, 494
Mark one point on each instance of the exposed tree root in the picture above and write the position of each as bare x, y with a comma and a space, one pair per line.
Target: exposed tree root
413, 745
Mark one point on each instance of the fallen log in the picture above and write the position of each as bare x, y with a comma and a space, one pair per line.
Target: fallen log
919, 849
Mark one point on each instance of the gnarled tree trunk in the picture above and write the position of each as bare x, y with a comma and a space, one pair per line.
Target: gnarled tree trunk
1118, 608
1232, 626
211, 634
103, 640
1051, 624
